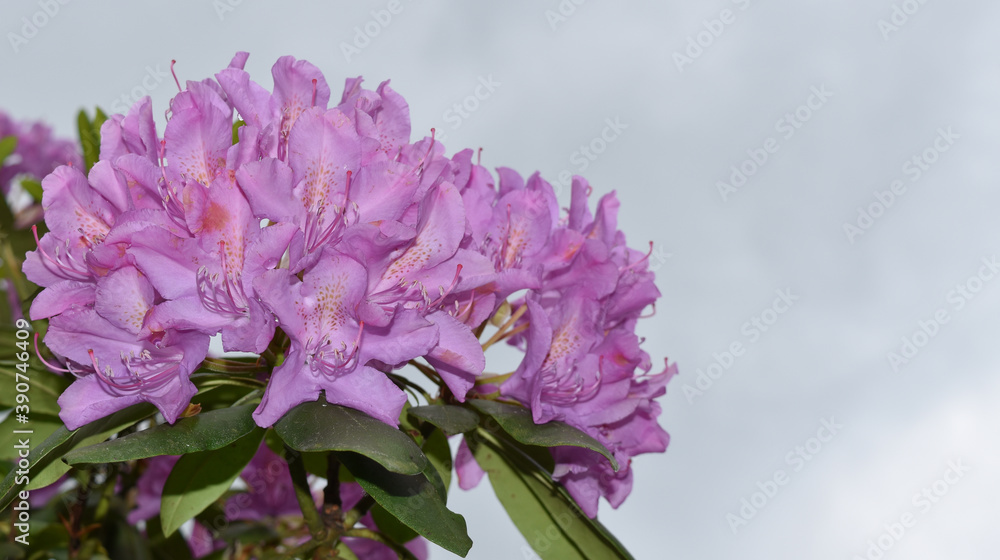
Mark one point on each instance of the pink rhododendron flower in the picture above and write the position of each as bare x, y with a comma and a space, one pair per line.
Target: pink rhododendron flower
365, 248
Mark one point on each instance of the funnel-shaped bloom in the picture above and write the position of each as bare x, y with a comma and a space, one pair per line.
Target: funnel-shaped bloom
331, 346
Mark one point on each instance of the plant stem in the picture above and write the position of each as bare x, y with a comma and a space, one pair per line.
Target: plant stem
359, 511
333, 513
304, 495
345, 553
270, 357
428, 371
399, 549
76, 516
493, 379
502, 331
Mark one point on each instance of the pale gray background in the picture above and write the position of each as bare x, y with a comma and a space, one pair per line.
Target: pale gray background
719, 263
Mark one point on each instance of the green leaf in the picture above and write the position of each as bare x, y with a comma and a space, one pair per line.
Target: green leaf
320, 426
413, 500
62, 441
7, 146
198, 479
90, 136
202, 432
42, 425
545, 514
439, 454
45, 387
391, 527
450, 418
54, 470
517, 422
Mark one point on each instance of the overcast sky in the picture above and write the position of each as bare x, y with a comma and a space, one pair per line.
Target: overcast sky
826, 169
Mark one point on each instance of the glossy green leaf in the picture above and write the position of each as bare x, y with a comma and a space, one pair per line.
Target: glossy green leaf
450, 418
391, 527
198, 479
517, 422
202, 432
438, 452
320, 426
413, 500
54, 470
46, 454
544, 513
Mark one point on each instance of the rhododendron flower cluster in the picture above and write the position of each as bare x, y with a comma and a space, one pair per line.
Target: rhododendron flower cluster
318, 232
36, 153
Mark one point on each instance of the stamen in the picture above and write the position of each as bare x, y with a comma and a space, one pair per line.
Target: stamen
502, 332
93, 360
445, 291
347, 189
342, 363
503, 244
427, 156
55, 261
176, 81
640, 261
140, 381
47, 364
